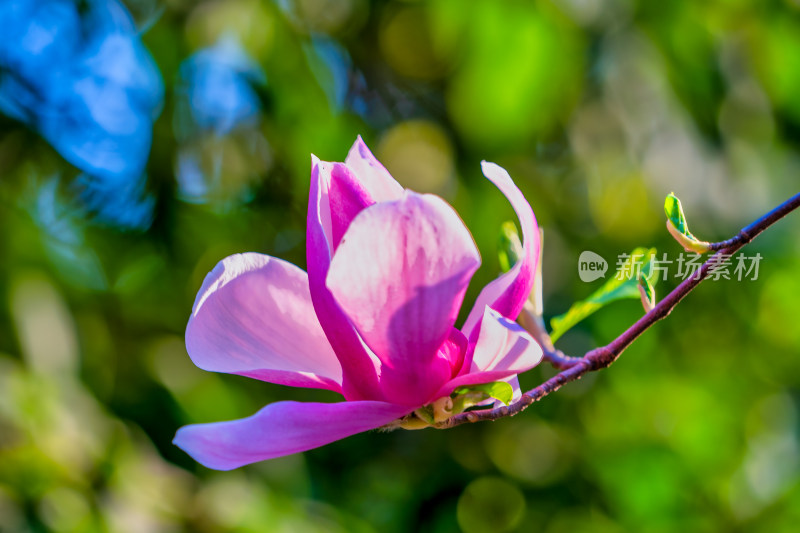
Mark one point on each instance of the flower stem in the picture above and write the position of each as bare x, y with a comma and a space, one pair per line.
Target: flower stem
574, 368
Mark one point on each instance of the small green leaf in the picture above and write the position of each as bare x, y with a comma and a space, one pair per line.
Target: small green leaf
499, 390
623, 285
647, 292
679, 228
509, 246
674, 211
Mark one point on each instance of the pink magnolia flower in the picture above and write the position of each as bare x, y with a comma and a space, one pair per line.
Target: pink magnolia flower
372, 320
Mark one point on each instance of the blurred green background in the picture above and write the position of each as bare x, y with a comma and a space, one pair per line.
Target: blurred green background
598, 109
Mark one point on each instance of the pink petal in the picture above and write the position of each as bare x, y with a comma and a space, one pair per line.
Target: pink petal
454, 349
359, 381
503, 349
504, 345
400, 274
281, 428
253, 317
319, 210
343, 197
507, 293
375, 178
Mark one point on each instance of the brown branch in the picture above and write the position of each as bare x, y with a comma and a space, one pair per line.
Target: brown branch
576, 367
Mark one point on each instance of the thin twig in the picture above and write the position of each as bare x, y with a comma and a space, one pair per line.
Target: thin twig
604, 356
534, 324
559, 360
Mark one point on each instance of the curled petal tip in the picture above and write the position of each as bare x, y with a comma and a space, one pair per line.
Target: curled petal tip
493, 171
509, 292
360, 149
371, 173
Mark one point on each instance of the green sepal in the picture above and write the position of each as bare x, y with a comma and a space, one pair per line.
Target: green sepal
647, 292
618, 287
425, 413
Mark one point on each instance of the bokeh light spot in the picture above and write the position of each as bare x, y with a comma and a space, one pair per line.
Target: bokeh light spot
419, 155
250, 20
406, 44
490, 504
